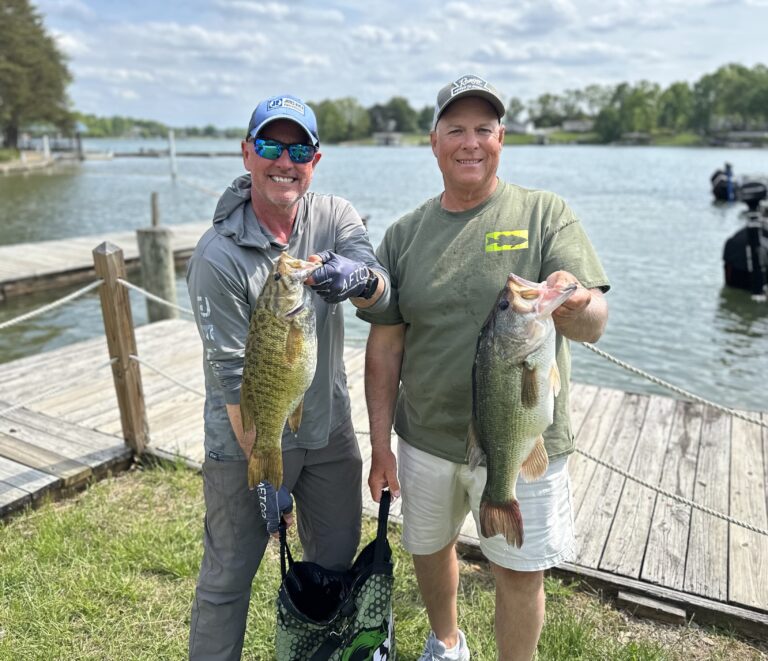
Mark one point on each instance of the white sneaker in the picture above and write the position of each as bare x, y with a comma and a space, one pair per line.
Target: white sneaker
435, 649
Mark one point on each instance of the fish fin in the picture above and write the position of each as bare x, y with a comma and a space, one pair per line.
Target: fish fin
502, 519
265, 464
536, 463
293, 342
475, 454
554, 378
294, 420
530, 387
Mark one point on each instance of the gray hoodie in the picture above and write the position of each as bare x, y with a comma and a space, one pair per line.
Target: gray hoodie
225, 276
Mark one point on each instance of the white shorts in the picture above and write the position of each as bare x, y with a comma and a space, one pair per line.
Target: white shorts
438, 494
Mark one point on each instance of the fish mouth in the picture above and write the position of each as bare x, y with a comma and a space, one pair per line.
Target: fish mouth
541, 298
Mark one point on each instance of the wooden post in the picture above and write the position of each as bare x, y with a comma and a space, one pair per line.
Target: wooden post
172, 153
157, 270
155, 209
121, 342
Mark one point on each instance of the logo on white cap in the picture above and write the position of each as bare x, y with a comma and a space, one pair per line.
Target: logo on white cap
467, 83
285, 102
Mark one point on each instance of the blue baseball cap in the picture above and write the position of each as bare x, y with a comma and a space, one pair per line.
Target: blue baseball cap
284, 106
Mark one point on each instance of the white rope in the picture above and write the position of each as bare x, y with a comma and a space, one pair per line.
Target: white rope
674, 496
51, 391
154, 298
669, 386
51, 306
166, 375
205, 190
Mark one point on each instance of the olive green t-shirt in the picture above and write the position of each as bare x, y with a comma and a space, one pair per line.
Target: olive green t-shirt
446, 269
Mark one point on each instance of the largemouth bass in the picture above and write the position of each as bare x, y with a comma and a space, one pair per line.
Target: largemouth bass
514, 384
280, 359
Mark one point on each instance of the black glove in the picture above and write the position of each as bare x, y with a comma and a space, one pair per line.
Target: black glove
273, 505
340, 278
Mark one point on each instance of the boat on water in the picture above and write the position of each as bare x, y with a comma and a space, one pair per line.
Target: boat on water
745, 255
728, 188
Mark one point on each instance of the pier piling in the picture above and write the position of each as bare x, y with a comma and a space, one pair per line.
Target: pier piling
121, 342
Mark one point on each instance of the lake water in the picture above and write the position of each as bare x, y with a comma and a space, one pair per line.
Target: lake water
648, 211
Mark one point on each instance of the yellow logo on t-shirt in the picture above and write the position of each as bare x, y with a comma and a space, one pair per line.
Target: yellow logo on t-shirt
506, 240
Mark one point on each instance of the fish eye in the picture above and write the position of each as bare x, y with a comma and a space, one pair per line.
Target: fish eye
277, 276
503, 304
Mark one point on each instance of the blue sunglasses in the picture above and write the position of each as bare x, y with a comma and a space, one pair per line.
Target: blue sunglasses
273, 149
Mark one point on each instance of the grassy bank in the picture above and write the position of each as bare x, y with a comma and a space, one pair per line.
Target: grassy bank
110, 574
8, 155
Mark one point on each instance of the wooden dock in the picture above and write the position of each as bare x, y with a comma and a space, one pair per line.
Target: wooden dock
30, 267
632, 540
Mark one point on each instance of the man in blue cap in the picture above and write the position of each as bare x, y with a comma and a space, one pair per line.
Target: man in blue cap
263, 213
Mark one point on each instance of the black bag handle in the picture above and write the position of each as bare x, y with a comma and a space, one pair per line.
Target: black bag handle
381, 531
285, 551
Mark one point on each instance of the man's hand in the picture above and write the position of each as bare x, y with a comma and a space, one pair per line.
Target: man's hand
274, 506
383, 473
577, 301
583, 316
339, 278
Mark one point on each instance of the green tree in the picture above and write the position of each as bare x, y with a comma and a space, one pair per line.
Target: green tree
395, 115
341, 119
675, 110
33, 73
547, 110
515, 108
426, 115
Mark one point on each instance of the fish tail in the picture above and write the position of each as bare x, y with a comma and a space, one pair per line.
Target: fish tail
502, 519
265, 464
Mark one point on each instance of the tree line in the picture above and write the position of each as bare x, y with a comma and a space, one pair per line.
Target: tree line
34, 77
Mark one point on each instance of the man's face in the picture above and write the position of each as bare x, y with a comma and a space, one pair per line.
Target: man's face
467, 143
280, 182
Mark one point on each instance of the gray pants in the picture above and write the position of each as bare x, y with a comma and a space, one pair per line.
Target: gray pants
326, 486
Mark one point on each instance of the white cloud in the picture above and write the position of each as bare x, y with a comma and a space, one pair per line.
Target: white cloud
71, 44
279, 11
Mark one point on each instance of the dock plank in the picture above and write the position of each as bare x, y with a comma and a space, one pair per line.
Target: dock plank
748, 554
667, 545
598, 506
34, 482
706, 568
625, 548
592, 437
70, 471
40, 265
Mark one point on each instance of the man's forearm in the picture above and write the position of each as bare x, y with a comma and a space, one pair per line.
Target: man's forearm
363, 303
245, 441
383, 359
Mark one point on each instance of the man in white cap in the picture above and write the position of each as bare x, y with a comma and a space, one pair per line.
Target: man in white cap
447, 261
262, 214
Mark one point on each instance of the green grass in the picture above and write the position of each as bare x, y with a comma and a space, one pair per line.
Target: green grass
110, 574
677, 140
8, 155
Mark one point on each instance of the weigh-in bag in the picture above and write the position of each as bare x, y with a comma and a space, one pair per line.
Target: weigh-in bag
325, 615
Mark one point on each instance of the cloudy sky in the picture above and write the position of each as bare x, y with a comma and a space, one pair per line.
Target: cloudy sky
194, 62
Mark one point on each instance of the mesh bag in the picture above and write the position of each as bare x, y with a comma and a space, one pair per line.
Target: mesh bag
324, 615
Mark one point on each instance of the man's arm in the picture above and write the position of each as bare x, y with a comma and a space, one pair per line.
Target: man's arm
383, 359
245, 440
583, 316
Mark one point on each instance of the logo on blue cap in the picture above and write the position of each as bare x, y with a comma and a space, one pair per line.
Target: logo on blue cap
286, 102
